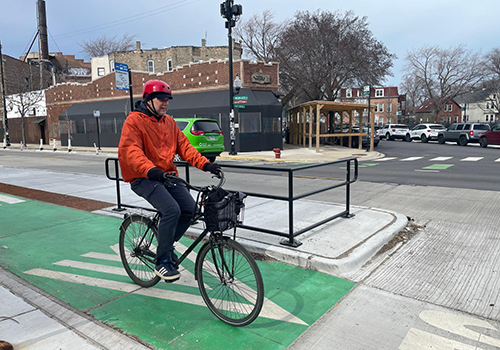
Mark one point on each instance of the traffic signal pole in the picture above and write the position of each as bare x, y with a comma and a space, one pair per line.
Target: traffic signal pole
231, 12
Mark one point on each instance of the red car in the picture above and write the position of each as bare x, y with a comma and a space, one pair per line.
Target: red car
491, 137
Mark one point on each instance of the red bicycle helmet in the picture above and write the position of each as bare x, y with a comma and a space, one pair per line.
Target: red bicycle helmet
156, 89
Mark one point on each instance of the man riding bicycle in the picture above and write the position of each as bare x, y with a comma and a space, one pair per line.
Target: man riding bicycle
149, 141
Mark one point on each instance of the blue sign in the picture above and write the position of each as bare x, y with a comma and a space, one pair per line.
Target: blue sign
121, 75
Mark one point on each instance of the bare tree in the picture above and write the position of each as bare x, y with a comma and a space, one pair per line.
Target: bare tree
493, 78
104, 45
24, 104
259, 35
444, 73
321, 52
414, 90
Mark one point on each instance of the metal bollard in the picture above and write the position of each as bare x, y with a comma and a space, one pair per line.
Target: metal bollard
69, 145
55, 145
41, 144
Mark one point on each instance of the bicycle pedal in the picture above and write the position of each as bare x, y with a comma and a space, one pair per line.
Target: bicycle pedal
172, 281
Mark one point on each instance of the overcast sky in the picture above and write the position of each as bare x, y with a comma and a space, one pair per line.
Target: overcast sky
401, 25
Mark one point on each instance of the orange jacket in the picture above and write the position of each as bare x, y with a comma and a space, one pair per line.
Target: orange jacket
146, 143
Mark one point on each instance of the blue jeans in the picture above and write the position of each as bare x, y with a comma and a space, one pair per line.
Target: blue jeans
176, 207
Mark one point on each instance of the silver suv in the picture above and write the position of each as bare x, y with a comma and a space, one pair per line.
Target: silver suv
394, 131
463, 133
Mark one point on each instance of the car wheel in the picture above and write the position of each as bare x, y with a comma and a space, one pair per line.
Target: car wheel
408, 138
441, 139
462, 141
424, 138
483, 142
388, 137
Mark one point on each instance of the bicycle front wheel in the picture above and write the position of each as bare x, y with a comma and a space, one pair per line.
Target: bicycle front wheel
230, 282
138, 249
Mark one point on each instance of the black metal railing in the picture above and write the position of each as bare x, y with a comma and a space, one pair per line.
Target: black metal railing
351, 163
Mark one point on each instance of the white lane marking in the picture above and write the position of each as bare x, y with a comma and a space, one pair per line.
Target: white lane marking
440, 159
10, 200
384, 159
498, 160
427, 171
409, 159
269, 310
471, 159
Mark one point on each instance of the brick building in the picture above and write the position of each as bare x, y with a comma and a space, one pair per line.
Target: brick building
162, 60
64, 68
200, 89
21, 77
390, 106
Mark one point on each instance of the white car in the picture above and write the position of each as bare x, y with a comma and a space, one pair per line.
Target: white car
394, 131
424, 132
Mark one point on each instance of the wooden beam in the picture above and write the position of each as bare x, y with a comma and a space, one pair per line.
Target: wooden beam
318, 115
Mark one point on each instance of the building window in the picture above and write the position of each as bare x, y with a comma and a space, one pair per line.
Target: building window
389, 107
379, 92
381, 108
348, 93
101, 71
360, 93
376, 107
151, 66
448, 107
169, 65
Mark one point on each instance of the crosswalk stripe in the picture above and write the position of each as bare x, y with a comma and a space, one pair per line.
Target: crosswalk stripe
471, 159
384, 159
10, 200
440, 159
269, 310
411, 159
498, 160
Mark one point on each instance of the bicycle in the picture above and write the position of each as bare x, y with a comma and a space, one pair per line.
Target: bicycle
228, 277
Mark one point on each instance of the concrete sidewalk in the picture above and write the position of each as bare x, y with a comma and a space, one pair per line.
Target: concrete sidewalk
340, 247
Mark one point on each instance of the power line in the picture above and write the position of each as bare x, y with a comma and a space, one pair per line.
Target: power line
129, 19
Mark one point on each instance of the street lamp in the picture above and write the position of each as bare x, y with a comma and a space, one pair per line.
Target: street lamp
231, 13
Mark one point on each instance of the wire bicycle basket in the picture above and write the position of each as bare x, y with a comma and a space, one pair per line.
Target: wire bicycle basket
223, 210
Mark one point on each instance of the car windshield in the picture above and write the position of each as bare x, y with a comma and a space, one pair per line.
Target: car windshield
481, 127
207, 126
437, 126
496, 127
181, 124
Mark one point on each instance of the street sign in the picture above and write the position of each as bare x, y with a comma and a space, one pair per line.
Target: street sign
240, 98
239, 106
121, 75
97, 113
366, 91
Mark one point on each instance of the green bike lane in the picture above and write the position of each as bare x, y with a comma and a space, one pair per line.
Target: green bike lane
73, 255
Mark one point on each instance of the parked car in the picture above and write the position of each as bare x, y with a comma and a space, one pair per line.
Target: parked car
424, 132
365, 139
394, 131
463, 133
204, 134
490, 137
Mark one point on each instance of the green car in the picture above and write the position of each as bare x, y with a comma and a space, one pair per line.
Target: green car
204, 134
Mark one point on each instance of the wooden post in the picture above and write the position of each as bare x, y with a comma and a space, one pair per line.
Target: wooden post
310, 125
318, 115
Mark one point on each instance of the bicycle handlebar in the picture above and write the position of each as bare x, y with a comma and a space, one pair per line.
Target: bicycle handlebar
168, 176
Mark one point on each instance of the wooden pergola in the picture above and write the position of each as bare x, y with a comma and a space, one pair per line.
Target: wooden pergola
298, 122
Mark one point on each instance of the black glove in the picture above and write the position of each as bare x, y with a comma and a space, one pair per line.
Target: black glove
155, 174
214, 168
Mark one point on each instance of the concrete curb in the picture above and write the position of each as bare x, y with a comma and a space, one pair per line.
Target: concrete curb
342, 266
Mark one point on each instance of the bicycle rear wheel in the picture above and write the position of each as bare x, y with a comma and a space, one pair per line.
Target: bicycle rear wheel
138, 249
230, 282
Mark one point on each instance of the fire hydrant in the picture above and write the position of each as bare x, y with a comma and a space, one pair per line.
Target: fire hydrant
277, 152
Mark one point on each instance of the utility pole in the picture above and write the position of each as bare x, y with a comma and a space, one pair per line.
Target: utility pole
231, 13
6, 138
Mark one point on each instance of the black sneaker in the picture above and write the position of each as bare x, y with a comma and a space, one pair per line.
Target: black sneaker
167, 271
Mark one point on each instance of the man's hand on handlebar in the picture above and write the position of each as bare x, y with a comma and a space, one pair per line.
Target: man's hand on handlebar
214, 168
